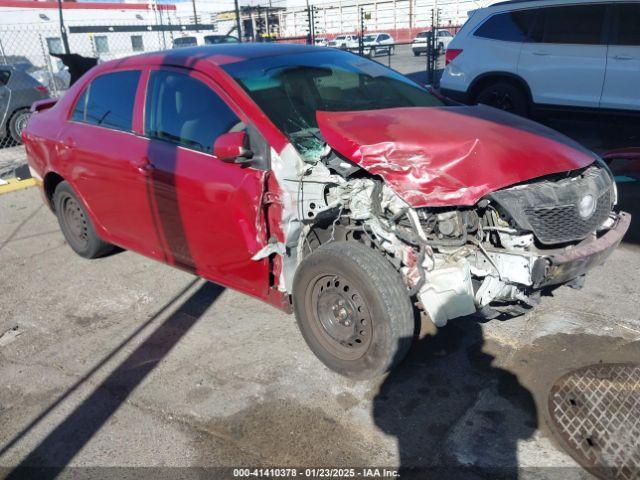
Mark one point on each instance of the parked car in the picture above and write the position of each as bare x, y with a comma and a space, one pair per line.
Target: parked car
442, 40
323, 183
345, 42
557, 54
375, 43
18, 90
202, 39
320, 41
57, 81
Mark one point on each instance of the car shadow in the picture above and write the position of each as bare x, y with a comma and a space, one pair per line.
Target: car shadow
50, 457
453, 412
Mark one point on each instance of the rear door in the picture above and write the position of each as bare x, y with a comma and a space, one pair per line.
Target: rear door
565, 61
623, 63
209, 212
103, 153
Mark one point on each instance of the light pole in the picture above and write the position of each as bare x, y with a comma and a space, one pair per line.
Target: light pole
63, 30
238, 21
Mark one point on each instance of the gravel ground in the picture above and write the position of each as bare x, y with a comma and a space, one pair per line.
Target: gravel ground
122, 361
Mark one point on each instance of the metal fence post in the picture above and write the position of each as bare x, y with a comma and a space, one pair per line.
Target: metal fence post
47, 58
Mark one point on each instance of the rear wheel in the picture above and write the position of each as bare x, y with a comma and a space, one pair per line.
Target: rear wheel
17, 124
76, 225
504, 96
353, 309
416, 53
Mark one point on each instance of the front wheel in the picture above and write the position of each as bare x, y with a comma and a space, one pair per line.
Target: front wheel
353, 309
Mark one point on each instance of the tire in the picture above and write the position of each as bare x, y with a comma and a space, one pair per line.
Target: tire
505, 96
416, 54
76, 225
353, 309
373, 52
17, 123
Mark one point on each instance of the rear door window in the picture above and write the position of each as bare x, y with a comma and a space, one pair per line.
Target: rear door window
108, 101
627, 25
572, 25
509, 26
183, 110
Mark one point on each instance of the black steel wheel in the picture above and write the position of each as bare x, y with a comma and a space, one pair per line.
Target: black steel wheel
17, 124
353, 309
76, 225
504, 96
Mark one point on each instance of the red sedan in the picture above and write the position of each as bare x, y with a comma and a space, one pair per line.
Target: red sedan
323, 183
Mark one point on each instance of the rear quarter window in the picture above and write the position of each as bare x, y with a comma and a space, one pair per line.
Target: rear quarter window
108, 101
508, 26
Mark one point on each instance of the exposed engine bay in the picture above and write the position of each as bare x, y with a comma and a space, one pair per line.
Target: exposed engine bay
494, 256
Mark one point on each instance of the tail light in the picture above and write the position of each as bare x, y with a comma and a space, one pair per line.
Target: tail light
451, 55
43, 89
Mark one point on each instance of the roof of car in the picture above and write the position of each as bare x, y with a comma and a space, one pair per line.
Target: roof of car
222, 53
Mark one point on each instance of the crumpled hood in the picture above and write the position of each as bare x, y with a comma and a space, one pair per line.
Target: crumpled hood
448, 156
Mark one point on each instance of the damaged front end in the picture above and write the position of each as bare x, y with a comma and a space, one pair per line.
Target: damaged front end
494, 256
495, 251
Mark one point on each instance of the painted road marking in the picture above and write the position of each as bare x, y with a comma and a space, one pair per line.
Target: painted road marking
14, 184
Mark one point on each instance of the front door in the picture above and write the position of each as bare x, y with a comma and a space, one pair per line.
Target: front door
209, 212
565, 61
623, 61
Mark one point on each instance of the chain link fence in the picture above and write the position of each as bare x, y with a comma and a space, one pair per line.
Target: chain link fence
396, 33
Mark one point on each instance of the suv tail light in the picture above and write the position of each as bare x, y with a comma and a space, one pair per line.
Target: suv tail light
43, 89
451, 55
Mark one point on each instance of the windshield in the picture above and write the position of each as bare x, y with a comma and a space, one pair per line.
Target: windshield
422, 35
340, 37
369, 38
290, 89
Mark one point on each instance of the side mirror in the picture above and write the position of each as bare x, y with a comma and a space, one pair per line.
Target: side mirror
231, 147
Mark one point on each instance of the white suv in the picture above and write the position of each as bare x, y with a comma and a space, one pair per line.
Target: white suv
533, 54
442, 40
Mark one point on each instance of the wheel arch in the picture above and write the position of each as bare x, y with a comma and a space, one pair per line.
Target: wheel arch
49, 183
482, 81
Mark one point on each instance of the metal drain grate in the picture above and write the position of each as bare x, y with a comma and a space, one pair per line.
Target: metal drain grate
596, 412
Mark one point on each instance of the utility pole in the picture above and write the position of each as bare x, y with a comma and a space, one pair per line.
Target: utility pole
238, 21
195, 13
360, 37
309, 20
63, 30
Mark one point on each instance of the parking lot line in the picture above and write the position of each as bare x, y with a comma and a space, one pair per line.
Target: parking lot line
14, 184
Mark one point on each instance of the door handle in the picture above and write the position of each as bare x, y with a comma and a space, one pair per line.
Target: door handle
145, 167
68, 143
541, 54
623, 57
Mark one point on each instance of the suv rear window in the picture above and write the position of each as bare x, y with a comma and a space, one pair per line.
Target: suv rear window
627, 25
509, 27
575, 24
108, 100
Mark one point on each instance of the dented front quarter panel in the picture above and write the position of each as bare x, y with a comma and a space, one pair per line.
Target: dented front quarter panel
449, 156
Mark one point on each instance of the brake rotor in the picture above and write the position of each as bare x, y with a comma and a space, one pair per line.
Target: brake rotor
595, 412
